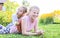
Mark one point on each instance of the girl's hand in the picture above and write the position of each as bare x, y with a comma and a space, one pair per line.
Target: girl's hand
40, 32
16, 23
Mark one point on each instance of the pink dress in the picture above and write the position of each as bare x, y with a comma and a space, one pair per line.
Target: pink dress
30, 25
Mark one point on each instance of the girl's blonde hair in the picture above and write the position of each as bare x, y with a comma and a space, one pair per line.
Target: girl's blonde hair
33, 7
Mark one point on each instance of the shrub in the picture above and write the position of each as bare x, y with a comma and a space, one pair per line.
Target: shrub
56, 16
5, 16
46, 19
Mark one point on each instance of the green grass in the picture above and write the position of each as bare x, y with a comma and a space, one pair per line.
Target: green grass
51, 31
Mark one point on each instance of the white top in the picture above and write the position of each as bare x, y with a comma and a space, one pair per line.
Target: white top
14, 18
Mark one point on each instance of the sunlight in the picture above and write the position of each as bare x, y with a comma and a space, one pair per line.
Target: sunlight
46, 6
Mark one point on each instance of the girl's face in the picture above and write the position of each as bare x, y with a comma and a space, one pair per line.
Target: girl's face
34, 13
20, 12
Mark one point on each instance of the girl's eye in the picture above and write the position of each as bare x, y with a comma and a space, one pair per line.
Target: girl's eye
34, 12
37, 13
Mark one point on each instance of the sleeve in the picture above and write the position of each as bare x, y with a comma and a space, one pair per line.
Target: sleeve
14, 19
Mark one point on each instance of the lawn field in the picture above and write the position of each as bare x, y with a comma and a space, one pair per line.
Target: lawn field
51, 31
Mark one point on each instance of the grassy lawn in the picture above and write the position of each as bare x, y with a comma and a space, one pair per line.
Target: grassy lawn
51, 31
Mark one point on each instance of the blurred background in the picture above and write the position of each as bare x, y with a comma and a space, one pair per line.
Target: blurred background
49, 10
49, 16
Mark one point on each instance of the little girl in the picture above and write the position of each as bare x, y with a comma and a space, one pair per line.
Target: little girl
29, 22
21, 11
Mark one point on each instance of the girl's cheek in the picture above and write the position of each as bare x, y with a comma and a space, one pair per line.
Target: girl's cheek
20, 12
37, 16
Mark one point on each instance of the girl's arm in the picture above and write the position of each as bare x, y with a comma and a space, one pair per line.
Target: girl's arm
36, 30
36, 26
24, 28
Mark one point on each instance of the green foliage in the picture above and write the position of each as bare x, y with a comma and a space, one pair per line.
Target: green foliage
47, 20
11, 6
56, 20
56, 16
5, 16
